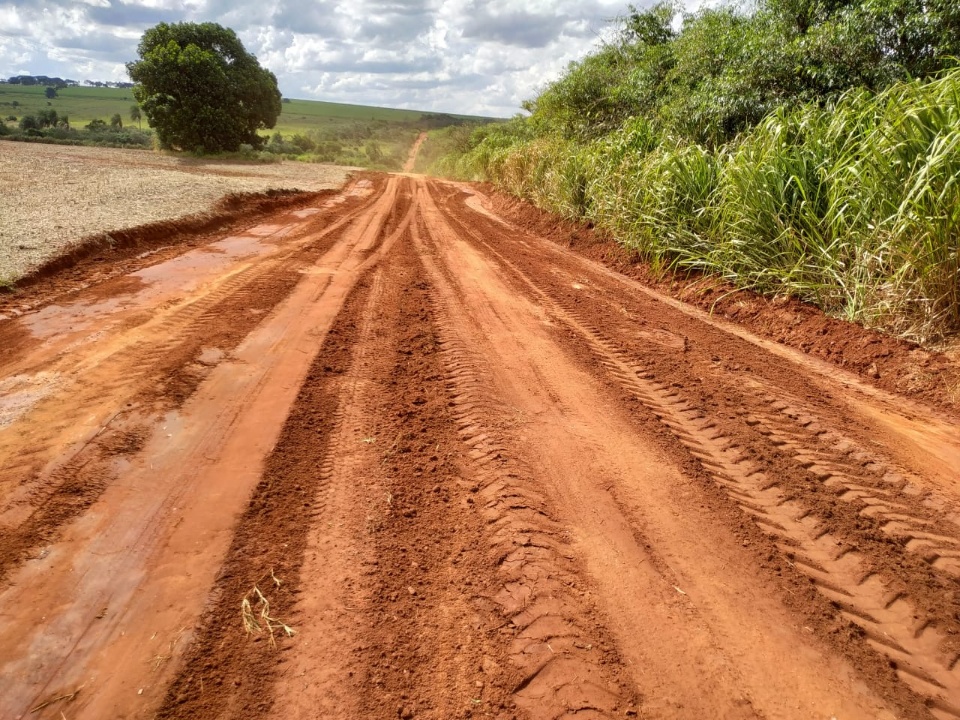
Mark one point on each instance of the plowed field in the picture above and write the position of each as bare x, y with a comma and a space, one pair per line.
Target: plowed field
393, 456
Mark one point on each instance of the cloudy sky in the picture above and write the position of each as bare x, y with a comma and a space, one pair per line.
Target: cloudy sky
462, 56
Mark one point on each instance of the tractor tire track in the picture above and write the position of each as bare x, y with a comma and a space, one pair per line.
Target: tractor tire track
563, 670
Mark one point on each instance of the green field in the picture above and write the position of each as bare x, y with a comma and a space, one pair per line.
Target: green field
302, 115
83, 104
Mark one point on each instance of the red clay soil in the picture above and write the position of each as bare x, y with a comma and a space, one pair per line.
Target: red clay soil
99, 257
884, 361
402, 453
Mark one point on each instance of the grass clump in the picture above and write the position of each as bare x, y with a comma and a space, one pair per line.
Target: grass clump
256, 614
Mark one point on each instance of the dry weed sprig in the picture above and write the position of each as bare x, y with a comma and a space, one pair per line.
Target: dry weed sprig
255, 612
60, 698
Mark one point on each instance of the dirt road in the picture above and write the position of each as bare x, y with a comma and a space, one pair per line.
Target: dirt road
414, 150
391, 456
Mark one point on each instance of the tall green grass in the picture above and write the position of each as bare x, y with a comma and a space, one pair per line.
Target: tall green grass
855, 207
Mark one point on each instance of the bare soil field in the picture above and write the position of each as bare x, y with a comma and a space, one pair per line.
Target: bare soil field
51, 195
404, 453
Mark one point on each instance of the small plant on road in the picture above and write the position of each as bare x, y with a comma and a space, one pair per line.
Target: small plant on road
255, 611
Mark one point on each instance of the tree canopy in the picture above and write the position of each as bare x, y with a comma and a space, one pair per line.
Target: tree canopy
709, 75
201, 90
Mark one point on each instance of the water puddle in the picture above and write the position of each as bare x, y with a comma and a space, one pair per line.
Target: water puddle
74, 317
264, 230
146, 288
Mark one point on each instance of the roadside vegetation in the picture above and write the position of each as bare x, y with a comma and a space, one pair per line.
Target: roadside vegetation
808, 148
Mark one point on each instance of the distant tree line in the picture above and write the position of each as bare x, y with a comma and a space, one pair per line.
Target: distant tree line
57, 82
49, 126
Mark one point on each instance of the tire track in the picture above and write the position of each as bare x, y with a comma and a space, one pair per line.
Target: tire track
891, 624
633, 506
910, 531
563, 671
293, 496
880, 489
328, 582
428, 644
303, 486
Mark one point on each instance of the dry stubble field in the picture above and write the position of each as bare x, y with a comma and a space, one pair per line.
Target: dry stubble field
53, 195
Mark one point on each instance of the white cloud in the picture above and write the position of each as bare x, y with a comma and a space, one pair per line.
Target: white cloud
461, 56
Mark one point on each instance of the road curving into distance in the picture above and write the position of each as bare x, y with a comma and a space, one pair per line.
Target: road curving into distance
451, 469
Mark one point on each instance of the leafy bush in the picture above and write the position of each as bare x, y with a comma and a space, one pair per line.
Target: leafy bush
730, 66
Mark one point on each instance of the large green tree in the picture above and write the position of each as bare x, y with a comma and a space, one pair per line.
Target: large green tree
201, 90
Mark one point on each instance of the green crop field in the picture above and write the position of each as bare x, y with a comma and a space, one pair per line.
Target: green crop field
80, 104
302, 115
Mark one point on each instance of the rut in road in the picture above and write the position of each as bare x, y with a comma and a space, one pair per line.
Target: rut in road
562, 659
174, 507
478, 475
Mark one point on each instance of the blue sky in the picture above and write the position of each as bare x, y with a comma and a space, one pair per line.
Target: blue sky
464, 56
